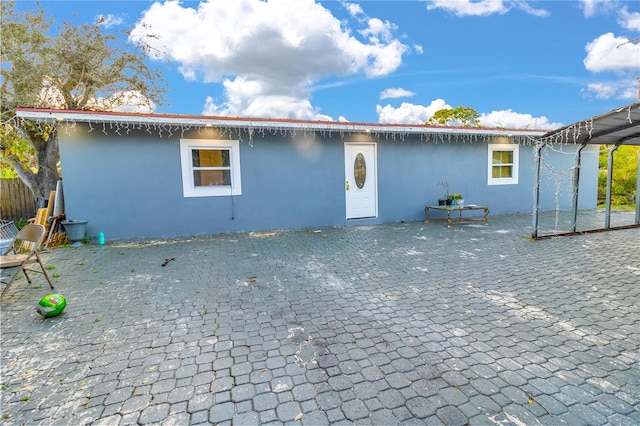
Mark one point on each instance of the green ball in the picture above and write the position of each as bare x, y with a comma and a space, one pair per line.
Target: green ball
51, 305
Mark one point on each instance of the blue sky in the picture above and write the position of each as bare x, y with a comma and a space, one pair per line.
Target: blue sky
519, 64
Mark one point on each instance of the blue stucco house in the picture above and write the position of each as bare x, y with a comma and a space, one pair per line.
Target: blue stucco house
160, 175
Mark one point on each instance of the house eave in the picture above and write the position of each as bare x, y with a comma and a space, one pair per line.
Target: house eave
53, 116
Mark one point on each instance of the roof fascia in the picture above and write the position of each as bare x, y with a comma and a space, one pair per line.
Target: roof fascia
53, 116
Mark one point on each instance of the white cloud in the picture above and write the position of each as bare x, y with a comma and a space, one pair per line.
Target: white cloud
630, 91
629, 20
626, 90
620, 55
626, 19
483, 7
602, 90
418, 48
267, 54
468, 7
109, 21
396, 93
526, 7
610, 53
378, 30
591, 8
51, 96
129, 101
514, 120
408, 113
269, 106
354, 9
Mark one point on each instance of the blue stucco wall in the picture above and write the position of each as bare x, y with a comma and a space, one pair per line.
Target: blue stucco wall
131, 185
409, 172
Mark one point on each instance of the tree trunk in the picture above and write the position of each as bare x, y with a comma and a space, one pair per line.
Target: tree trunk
46, 178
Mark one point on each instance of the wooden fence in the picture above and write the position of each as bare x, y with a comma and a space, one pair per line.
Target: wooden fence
16, 200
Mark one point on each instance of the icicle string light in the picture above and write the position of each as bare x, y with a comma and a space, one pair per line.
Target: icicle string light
250, 132
558, 177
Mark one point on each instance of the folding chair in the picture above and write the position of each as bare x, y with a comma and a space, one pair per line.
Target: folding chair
8, 232
25, 251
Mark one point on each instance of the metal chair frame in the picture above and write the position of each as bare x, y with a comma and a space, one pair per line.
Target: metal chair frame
24, 247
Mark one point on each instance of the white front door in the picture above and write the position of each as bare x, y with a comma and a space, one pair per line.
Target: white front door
361, 182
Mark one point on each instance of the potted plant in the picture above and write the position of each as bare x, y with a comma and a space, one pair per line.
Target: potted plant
458, 199
444, 185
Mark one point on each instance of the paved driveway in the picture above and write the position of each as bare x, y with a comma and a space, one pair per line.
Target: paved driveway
404, 323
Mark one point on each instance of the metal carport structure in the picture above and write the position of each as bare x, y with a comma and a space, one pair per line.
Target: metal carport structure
616, 128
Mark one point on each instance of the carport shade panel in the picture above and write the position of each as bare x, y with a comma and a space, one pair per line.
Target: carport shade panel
621, 124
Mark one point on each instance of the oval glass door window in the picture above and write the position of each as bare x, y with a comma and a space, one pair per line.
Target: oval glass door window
360, 170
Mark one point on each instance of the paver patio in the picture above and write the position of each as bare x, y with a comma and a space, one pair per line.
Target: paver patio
402, 323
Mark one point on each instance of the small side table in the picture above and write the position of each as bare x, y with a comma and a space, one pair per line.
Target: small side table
459, 209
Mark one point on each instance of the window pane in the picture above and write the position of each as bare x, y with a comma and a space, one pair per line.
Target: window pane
360, 170
507, 157
211, 177
498, 172
210, 158
502, 157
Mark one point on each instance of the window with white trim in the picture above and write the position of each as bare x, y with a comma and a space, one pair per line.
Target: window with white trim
210, 168
503, 164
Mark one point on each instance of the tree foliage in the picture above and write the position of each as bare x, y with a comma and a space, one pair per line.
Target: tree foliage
80, 67
625, 172
459, 116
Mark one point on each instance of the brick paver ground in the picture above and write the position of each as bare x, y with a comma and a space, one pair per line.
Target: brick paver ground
403, 323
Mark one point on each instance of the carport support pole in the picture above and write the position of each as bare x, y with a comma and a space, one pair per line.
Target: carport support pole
575, 186
536, 190
607, 213
638, 193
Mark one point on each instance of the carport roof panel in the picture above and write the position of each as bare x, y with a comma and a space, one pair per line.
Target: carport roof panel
622, 125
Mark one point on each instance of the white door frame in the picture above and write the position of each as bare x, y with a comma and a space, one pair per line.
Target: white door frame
361, 202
